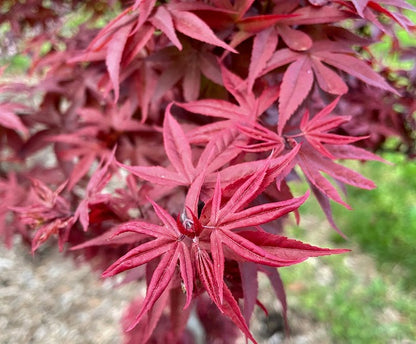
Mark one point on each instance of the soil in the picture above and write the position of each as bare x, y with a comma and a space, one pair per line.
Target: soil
46, 299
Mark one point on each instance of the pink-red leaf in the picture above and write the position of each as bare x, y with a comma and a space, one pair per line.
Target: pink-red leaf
115, 50
311, 169
327, 79
315, 129
9, 119
185, 264
295, 39
245, 193
163, 21
164, 216
145, 228
264, 45
229, 306
262, 213
191, 25
156, 174
280, 58
214, 107
256, 24
218, 261
296, 84
247, 250
353, 152
357, 68
161, 278
249, 284
140, 255
287, 249
216, 201
177, 146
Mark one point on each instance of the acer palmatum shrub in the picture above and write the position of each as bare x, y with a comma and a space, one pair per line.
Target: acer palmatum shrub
163, 143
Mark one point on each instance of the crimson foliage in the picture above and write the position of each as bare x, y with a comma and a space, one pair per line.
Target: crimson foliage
162, 144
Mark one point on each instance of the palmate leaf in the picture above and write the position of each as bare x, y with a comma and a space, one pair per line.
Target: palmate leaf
126, 35
221, 149
306, 66
216, 232
179, 152
315, 129
187, 68
316, 156
224, 219
250, 107
168, 246
269, 140
313, 163
227, 217
237, 174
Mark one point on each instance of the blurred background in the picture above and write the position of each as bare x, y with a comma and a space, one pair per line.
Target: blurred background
369, 294
366, 296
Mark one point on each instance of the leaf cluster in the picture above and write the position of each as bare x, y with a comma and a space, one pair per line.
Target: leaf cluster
168, 140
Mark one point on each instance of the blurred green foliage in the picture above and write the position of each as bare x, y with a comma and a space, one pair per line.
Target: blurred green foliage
355, 306
368, 295
383, 221
69, 25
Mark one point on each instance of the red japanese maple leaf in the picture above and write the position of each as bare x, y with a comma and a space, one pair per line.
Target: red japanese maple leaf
315, 154
49, 214
126, 35
205, 243
186, 65
249, 107
315, 130
299, 77
182, 171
